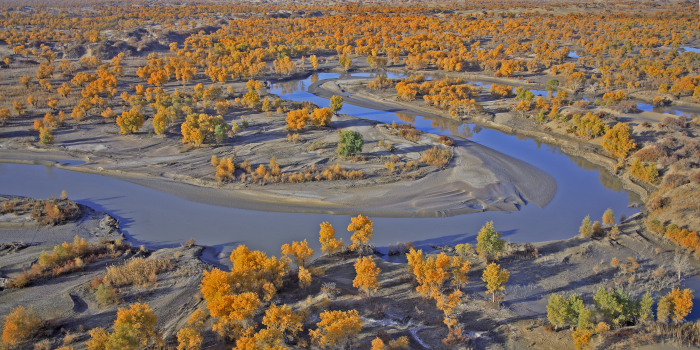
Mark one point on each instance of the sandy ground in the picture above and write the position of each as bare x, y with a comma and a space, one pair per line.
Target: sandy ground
478, 178
575, 265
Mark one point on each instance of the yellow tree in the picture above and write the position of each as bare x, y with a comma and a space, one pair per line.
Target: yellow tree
322, 116
367, 272
495, 278
363, 229
305, 277
460, 268
297, 119
131, 121
20, 325
298, 252
134, 328
314, 61
329, 244
430, 273
190, 337
619, 141
283, 319
676, 305
337, 328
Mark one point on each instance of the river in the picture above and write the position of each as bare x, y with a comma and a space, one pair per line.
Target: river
158, 219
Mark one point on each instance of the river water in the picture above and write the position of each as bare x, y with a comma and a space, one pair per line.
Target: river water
159, 219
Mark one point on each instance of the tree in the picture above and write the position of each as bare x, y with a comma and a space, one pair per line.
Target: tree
460, 268
134, 328
337, 328
200, 128
609, 217
297, 119
322, 116
558, 311
586, 229
367, 272
351, 143
131, 121
336, 103
363, 228
283, 319
20, 107
676, 305
305, 277
489, 244
189, 338
298, 252
431, 273
20, 325
345, 62
582, 337
495, 278
619, 141
45, 136
314, 61
552, 85
329, 244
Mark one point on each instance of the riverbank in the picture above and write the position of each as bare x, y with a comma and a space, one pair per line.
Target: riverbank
575, 265
504, 122
477, 178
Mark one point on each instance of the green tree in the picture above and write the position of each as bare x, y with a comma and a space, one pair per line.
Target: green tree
351, 143
646, 306
489, 243
552, 85
558, 310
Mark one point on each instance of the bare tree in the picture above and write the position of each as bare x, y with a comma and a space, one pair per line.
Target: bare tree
680, 263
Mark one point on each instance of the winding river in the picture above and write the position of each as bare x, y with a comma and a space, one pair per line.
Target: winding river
159, 219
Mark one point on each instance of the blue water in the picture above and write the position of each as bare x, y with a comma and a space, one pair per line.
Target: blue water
690, 49
668, 110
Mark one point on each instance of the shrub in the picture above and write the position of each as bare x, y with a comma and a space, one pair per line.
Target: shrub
65, 258
647, 172
351, 143
437, 156
139, 271
106, 295
20, 325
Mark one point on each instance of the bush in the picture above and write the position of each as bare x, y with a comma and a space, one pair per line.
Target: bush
45, 211
66, 258
437, 156
106, 295
350, 144
647, 172
20, 325
140, 271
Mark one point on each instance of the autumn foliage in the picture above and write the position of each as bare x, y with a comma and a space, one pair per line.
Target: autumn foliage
363, 231
367, 273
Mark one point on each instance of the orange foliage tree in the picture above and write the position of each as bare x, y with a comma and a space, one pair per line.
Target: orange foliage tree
337, 329
329, 244
367, 271
363, 228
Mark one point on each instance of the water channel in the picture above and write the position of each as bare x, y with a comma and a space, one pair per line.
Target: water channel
159, 219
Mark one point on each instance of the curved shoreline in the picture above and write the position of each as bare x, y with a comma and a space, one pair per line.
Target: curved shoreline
569, 145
